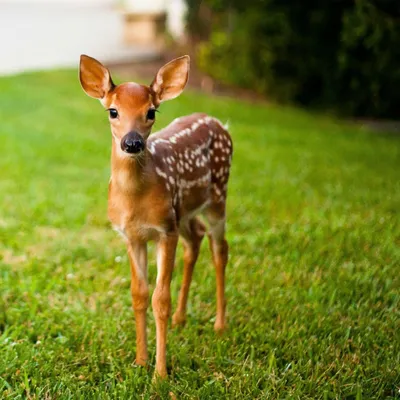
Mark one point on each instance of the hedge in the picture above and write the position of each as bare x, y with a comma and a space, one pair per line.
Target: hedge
338, 54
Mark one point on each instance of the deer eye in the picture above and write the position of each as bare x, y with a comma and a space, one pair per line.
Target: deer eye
151, 114
113, 113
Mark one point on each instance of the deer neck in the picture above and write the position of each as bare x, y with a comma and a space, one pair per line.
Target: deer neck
131, 175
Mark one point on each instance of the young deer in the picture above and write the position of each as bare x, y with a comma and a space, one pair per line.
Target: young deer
158, 187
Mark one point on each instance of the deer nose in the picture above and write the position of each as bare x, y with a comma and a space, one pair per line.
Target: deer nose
132, 143
133, 146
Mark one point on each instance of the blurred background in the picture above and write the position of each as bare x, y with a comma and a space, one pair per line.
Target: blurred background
341, 56
53, 33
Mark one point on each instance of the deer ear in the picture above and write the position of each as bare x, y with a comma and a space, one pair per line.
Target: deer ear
171, 79
95, 78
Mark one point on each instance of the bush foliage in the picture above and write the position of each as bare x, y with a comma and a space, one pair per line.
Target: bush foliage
336, 54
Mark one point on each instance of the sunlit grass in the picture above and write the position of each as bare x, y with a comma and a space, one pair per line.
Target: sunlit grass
313, 280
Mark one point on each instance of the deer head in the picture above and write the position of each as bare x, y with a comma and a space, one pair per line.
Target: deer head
132, 107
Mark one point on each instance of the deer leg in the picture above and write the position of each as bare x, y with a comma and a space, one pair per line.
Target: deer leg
219, 249
140, 296
161, 301
192, 235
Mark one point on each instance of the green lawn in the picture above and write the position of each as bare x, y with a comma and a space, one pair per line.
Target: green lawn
313, 279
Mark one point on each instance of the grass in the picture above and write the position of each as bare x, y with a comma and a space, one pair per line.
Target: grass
313, 280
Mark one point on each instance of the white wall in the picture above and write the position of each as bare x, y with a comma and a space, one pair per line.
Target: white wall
176, 10
83, 2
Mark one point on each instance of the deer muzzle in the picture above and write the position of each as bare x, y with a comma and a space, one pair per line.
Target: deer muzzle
133, 143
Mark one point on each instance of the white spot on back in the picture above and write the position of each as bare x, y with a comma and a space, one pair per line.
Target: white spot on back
161, 173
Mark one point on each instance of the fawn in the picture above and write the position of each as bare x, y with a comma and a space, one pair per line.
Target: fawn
159, 186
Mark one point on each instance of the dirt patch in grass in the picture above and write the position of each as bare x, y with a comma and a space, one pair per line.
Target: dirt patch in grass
8, 257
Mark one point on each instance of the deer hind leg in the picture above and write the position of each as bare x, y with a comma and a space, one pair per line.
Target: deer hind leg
219, 249
192, 234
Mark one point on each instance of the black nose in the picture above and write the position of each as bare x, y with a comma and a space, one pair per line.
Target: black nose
133, 146
132, 143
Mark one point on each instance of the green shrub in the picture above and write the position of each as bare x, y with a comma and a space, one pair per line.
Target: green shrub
337, 54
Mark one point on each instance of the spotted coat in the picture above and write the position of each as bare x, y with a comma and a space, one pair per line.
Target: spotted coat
194, 155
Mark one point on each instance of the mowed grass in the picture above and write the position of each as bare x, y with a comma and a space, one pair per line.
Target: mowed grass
312, 283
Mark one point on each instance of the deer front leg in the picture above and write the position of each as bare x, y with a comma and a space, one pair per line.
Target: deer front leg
161, 301
140, 296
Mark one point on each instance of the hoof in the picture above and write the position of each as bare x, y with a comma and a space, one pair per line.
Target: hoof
141, 361
160, 375
219, 327
178, 320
